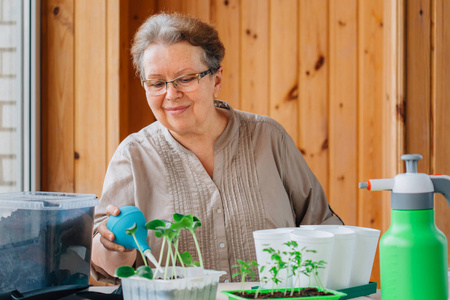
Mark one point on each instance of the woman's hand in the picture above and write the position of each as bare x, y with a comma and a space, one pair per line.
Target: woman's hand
106, 236
105, 253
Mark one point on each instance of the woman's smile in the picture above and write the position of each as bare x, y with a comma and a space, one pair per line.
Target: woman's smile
177, 110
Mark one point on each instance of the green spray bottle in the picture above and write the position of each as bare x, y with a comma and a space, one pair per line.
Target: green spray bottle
413, 251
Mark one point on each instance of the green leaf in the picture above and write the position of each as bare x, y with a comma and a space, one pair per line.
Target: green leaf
184, 221
125, 271
178, 217
152, 225
235, 274
196, 263
144, 271
186, 257
197, 223
131, 230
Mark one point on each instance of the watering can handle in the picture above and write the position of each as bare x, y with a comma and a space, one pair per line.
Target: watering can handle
442, 185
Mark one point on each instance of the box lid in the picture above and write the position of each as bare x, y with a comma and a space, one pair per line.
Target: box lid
46, 200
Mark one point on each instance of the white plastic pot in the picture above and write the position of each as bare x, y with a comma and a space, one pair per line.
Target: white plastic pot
189, 288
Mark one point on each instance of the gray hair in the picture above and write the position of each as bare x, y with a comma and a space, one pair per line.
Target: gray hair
167, 29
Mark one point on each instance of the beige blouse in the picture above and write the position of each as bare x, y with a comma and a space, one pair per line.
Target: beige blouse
260, 181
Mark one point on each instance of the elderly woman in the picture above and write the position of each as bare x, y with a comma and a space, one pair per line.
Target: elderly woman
237, 172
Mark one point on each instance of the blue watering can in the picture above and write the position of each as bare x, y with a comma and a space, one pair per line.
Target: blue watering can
127, 217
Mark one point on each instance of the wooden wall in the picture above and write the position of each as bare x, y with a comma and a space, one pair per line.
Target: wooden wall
356, 83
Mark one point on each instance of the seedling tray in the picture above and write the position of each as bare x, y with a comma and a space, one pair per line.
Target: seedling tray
355, 291
336, 295
360, 290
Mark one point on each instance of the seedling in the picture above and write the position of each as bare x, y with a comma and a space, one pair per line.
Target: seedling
170, 232
131, 231
295, 262
245, 268
190, 223
127, 271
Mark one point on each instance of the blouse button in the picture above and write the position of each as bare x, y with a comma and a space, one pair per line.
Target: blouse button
219, 211
222, 245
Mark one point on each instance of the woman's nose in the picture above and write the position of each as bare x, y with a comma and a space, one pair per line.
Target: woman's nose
171, 91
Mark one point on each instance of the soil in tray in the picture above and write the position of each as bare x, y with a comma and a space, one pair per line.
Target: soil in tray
306, 292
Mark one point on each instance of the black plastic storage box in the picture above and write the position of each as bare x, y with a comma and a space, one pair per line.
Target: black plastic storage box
45, 240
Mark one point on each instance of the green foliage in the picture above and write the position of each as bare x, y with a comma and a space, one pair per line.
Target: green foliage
144, 271
294, 262
170, 233
245, 268
125, 271
132, 231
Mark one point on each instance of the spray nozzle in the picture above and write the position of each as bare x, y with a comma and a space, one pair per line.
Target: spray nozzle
412, 190
411, 161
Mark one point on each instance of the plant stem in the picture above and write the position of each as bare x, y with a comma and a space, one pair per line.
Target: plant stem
198, 249
140, 250
177, 253
169, 250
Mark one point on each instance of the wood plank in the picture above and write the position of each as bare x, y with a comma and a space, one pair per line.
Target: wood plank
90, 95
283, 65
418, 81
171, 6
441, 106
198, 8
221, 14
343, 109
139, 113
57, 96
370, 83
313, 93
394, 118
115, 74
255, 56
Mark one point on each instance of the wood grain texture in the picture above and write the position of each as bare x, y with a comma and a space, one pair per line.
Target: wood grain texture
441, 105
255, 56
314, 87
394, 118
418, 81
229, 32
114, 71
370, 114
58, 96
90, 96
139, 113
343, 109
283, 65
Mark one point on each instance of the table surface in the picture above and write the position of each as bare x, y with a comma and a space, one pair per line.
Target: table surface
223, 287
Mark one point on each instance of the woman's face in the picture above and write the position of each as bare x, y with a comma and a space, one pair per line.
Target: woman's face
181, 112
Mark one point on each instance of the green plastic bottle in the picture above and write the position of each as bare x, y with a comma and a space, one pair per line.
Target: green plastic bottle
413, 251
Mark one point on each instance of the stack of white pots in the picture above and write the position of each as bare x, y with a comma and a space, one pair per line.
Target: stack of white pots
348, 251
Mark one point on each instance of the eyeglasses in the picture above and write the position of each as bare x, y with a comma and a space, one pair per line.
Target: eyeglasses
184, 83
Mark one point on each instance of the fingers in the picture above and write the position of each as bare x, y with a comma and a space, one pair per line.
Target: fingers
107, 238
112, 210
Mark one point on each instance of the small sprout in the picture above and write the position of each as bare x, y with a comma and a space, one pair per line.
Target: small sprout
170, 232
144, 271
125, 271
245, 268
132, 231
190, 223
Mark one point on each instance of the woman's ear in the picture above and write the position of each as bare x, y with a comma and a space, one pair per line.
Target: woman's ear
218, 82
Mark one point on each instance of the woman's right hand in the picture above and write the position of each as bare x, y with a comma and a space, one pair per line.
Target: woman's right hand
106, 236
